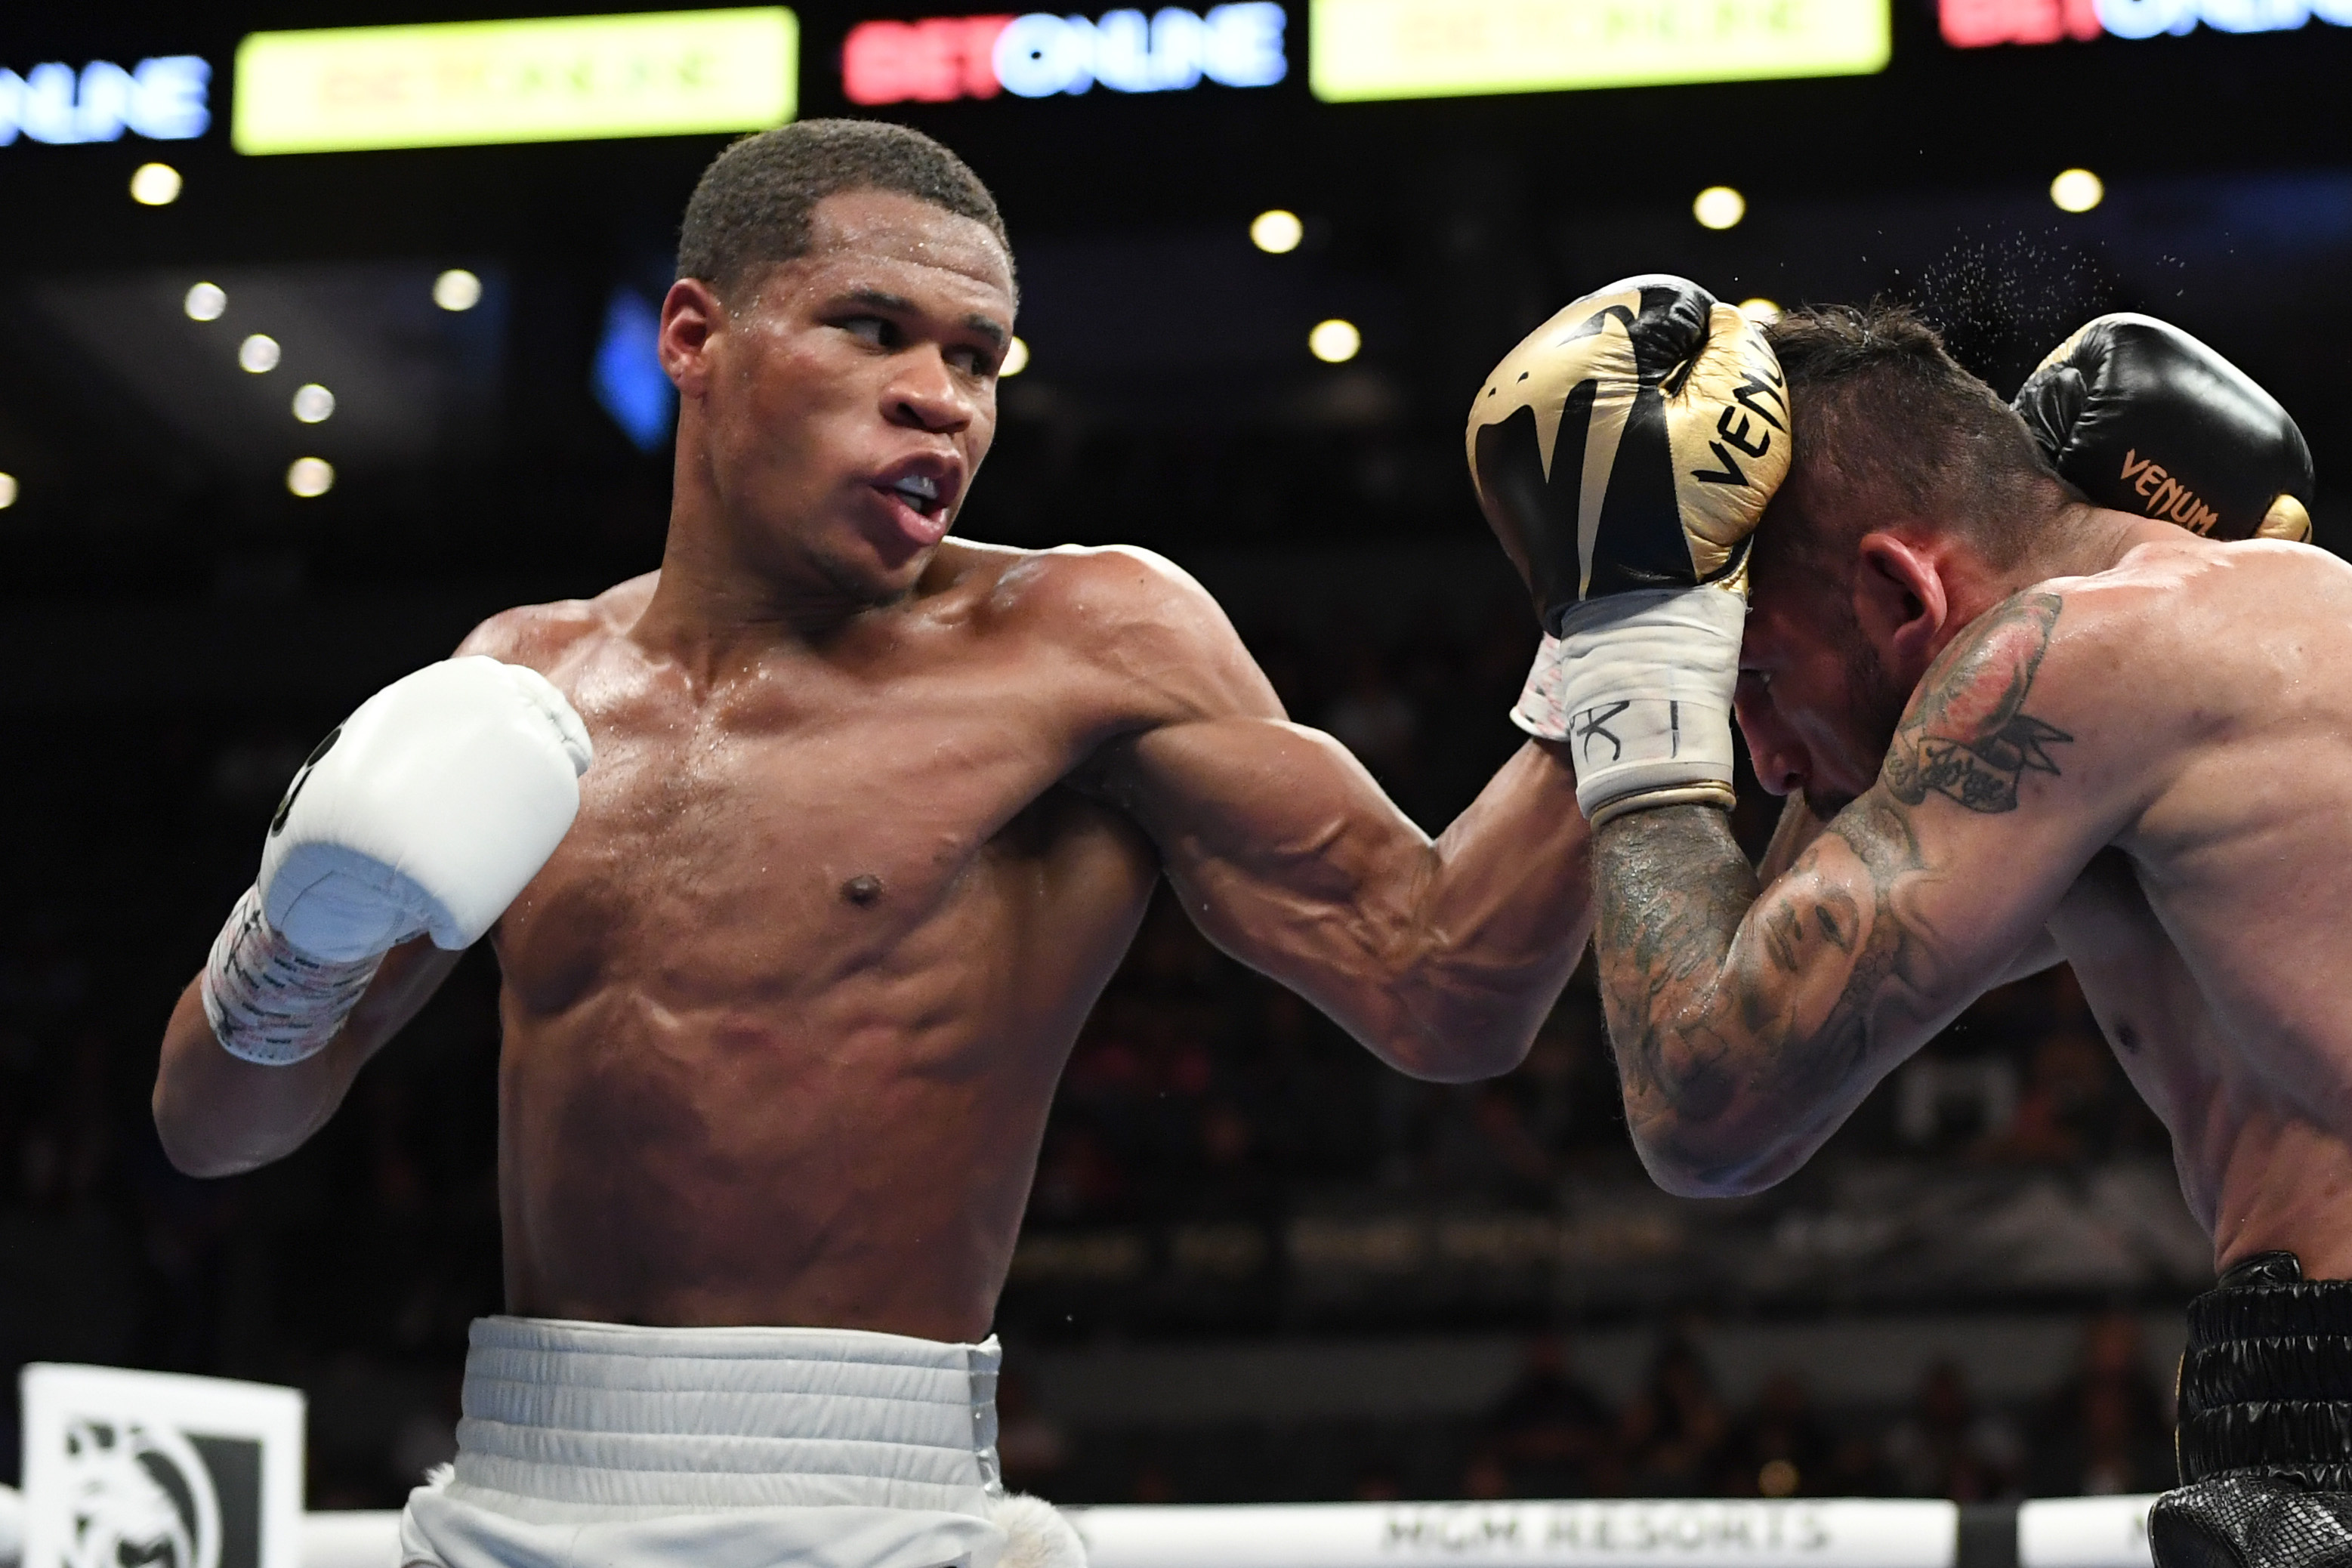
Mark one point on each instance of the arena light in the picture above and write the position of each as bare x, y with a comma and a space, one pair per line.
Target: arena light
7, 492
1042, 54
310, 477
1362, 49
1334, 342
204, 301
163, 100
155, 184
313, 404
2077, 191
1760, 310
259, 354
1277, 233
451, 84
1719, 206
1016, 359
456, 290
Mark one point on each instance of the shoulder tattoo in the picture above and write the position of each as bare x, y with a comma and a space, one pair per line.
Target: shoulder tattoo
1967, 735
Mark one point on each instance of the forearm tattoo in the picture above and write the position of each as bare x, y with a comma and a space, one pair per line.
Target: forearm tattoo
1714, 994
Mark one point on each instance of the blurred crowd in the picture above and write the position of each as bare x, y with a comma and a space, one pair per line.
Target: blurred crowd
1202, 1105
2103, 1430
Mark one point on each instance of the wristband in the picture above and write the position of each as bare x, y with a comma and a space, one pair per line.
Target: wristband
269, 1001
1639, 686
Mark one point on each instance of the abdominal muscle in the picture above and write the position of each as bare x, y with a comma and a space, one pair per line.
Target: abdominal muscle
840, 1138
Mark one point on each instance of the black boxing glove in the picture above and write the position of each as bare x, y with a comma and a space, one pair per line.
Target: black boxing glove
2141, 417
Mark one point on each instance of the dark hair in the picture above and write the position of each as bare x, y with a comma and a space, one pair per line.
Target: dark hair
1888, 423
752, 206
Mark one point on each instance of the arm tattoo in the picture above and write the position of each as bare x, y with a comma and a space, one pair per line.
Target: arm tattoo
1672, 885
1704, 983
1968, 736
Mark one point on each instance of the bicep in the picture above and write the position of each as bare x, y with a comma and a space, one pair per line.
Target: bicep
2004, 776
1282, 844
1896, 918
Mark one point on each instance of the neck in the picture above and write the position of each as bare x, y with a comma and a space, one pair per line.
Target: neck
726, 585
2084, 540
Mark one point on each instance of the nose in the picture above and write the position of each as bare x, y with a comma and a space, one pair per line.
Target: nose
925, 394
1781, 762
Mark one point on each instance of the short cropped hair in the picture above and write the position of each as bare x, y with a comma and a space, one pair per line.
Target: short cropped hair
752, 208
1887, 423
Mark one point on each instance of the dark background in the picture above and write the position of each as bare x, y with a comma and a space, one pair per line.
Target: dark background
1257, 1265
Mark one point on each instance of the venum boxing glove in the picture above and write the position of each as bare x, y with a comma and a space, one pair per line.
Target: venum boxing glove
1622, 454
425, 812
2141, 417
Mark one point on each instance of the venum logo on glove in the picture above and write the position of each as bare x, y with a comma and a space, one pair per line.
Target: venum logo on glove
1673, 412
2142, 417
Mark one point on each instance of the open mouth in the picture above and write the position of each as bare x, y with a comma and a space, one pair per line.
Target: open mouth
920, 503
920, 492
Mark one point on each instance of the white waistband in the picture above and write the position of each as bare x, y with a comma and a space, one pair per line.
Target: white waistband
615, 1415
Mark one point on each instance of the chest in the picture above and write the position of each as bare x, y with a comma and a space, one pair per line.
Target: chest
809, 823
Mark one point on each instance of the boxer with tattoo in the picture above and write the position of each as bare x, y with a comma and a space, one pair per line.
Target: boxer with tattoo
2019, 726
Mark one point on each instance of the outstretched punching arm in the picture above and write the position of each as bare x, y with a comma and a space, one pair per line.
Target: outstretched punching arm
1444, 956
1749, 1023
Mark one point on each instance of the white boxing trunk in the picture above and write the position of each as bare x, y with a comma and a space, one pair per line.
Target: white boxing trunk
734, 1448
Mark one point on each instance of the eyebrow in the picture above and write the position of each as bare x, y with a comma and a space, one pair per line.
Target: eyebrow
987, 327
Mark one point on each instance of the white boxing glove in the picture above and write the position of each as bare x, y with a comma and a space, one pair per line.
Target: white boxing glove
427, 811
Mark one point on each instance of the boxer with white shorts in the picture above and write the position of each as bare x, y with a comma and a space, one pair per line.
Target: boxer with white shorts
804, 860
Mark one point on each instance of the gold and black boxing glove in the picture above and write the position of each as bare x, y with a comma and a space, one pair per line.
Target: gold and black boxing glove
1622, 454
2141, 417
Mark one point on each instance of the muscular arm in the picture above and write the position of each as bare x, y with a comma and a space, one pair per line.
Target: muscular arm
1796, 833
1750, 1020
1443, 957
218, 1115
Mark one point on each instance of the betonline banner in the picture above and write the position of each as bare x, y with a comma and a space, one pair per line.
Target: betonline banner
163, 99
1976, 23
1360, 49
452, 84
1040, 55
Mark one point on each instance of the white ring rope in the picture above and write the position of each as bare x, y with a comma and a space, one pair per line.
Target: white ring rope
2050, 1533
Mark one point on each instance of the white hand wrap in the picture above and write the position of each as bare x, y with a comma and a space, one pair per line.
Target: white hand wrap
1639, 687
271, 1003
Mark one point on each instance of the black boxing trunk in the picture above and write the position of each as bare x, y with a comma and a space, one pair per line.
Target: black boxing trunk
2265, 1437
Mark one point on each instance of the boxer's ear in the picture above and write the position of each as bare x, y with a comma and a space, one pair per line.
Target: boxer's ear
691, 311
1901, 601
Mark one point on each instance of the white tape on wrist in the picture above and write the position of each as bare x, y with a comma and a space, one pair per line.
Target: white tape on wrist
1639, 686
269, 1001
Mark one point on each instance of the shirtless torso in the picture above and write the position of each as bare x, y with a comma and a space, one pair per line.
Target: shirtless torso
2145, 769
2210, 937
784, 1014
873, 816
